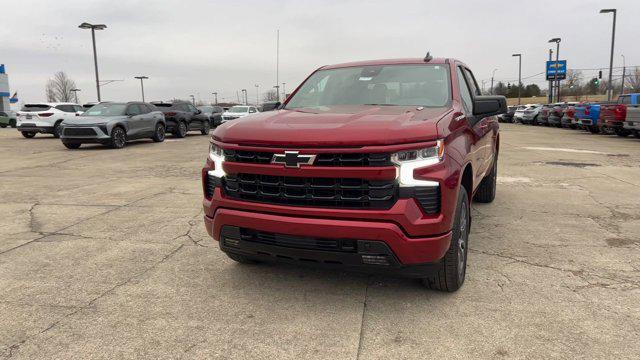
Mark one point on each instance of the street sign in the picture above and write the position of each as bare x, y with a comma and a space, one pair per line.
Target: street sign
560, 68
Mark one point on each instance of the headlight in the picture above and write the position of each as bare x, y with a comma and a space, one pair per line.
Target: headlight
216, 155
408, 161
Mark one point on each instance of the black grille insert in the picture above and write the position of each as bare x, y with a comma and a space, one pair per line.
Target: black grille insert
79, 132
299, 242
318, 192
347, 159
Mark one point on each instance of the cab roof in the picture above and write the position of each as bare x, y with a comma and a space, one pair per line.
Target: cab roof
405, 61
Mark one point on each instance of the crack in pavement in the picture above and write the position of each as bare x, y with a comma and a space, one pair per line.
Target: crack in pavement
362, 320
16, 346
578, 273
57, 232
192, 222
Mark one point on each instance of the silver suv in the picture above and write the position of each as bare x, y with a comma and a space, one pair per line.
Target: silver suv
114, 124
530, 114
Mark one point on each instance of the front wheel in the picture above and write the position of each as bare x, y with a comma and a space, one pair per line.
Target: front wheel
118, 138
636, 133
12, 123
158, 135
206, 127
241, 259
28, 134
453, 267
486, 192
622, 132
594, 129
3, 126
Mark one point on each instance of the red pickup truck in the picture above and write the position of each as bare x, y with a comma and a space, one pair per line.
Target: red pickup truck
366, 166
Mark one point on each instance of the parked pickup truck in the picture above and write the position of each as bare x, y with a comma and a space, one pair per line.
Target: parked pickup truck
632, 121
543, 116
588, 116
568, 117
557, 112
370, 165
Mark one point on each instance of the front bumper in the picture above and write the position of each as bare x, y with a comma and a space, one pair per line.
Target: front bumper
567, 120
632, 125
586, 122
85, 134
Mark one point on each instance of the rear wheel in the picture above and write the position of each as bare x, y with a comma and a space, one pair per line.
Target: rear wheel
71, 145
12, 123
158, 135
594, 129
118, 138
182, 129
57, 130
206, 127
3, 126
453, 267
28, 134
241, 259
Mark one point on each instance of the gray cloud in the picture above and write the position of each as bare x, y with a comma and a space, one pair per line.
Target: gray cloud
197, 47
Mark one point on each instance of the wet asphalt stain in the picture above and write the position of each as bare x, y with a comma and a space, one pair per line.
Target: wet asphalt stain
571, 164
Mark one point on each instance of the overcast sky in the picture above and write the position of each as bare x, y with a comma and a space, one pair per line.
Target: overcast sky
196, 47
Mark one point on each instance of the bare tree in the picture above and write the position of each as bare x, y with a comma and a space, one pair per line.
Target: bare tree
59, 88
572, 85
271, 95
632, 81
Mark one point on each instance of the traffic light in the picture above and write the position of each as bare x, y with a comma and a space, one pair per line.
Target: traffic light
508, 86
600, 74
595, 81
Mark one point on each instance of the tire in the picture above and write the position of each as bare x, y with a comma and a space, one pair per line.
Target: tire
182, 129
12, 123
71, 146
622, 132
118, 138
241, 259
3, 126
206, 127
452, 268
158, 135
594, 129
636, 133
534, 122
28, 134
57, 130
486, 192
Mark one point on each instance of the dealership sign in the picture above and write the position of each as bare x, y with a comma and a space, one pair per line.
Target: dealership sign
558, 69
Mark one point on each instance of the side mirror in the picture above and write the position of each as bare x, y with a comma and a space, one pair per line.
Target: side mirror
277, 105
198, 112
490, 105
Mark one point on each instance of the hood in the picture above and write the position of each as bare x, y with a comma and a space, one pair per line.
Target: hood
337, 126
86, 120
234, 114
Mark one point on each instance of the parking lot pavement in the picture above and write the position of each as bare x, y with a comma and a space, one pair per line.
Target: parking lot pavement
103, 254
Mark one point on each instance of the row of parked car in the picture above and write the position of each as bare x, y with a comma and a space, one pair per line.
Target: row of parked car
621, 117
115, 123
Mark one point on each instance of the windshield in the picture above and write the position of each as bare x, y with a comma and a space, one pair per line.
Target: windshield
408, 85
239, 109
106, 110
206, 109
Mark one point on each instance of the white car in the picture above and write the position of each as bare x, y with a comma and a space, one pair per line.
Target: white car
238, 111
45, 118
519, 114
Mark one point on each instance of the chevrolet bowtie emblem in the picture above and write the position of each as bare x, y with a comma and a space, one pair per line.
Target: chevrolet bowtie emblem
293, 159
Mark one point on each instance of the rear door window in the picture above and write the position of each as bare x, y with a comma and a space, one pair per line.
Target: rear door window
133, 110
66, 108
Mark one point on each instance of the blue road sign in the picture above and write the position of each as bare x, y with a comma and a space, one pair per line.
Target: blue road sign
559, 68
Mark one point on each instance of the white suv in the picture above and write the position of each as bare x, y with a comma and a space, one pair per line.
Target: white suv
45, 117
238, 111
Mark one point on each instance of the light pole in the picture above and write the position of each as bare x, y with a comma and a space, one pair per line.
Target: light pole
624, 70
284, 92
215, 95
613, 40
492, 75
142, 78
193, 100
75, 93
246, 101
278, 63
93, 28
483, 81
277, 91
555, 74
257, 94
550, 81
519, 75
